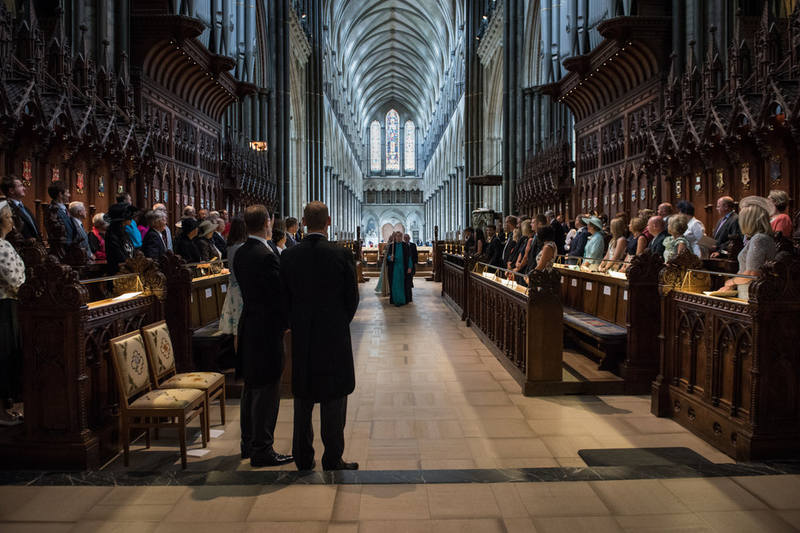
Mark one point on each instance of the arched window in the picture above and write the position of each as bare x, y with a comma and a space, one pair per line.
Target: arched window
410, 146
375, 146
392, 141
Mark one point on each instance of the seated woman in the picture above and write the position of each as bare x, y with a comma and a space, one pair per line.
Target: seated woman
676, 243
760, 245
97, 240
593, 251
780, 222
617, 246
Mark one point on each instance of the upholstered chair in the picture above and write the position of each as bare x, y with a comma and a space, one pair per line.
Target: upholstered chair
141, 406
162, 367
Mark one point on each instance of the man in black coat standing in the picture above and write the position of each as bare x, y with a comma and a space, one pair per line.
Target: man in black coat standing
494, 247
261, 328
320, 297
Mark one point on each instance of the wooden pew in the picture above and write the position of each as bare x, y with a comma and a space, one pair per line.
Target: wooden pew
522, 324
615, 318
195, 295
730, 368
69, 390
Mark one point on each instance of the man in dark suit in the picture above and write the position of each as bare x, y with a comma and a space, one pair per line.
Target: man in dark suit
494, 246
321, 297
24, 221
291, 231
261, 328
412, 247
727, 228
578, 243
558, 231
154, 243
658, 229
59, 196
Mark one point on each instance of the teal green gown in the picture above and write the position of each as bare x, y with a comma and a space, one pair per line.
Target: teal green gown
398, 281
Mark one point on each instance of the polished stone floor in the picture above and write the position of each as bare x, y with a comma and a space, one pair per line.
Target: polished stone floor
430, 401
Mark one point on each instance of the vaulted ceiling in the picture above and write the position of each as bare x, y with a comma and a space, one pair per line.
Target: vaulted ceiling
389, 52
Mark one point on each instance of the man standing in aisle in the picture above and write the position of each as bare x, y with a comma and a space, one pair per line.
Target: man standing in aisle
261, 328
320, 304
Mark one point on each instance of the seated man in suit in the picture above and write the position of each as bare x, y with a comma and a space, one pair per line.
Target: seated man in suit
727, 228
261, 328
320, 295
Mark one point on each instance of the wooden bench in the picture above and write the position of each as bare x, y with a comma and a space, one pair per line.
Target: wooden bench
615, 319
730, 370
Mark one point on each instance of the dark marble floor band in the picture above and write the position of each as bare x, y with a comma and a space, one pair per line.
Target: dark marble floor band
378, 477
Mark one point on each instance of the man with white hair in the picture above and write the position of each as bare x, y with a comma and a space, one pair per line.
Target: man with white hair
77, 213
166, 232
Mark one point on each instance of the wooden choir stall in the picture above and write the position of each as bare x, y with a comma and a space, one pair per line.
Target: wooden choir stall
71, 399
730, 367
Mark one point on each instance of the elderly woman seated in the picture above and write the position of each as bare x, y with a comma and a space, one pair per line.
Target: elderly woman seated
760, 246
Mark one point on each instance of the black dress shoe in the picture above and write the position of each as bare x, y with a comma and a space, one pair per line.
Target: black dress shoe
306, 468
344, 466
270, 459
245, 453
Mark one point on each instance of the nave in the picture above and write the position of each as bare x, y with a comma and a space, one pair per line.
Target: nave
446, 443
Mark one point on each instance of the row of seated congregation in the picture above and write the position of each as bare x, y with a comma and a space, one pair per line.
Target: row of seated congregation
67, 288
657, 301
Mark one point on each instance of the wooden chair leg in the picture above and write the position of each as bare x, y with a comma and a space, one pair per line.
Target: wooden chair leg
205, 432
126, 444
182, 440
207, 417
222, 405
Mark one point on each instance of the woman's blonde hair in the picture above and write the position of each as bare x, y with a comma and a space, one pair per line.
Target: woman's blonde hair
516, 234
617, 227
638, 224
678, 224
527, 231
754, 219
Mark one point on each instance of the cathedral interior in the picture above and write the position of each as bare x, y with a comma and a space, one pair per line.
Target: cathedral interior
647, 391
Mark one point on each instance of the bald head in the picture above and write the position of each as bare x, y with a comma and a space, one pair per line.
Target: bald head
655, 225
725, 205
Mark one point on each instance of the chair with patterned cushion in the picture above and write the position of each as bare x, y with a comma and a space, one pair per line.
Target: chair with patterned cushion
162, 365
142, 407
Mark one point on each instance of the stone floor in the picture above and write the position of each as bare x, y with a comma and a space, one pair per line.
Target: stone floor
429, 396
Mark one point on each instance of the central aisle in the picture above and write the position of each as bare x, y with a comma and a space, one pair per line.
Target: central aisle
430, 395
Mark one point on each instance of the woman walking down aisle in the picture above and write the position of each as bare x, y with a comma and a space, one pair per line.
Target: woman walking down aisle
399, 270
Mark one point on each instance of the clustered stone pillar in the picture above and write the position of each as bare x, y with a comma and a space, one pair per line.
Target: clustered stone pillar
473, 102
513, 152
278, 134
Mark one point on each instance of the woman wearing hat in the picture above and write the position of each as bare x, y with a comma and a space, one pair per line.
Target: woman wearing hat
119, 246
595, 246
204, 243
184, 244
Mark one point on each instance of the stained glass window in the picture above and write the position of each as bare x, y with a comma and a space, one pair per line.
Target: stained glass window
375, 146
409, 146
392, 141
